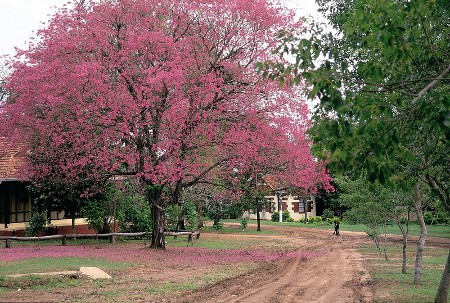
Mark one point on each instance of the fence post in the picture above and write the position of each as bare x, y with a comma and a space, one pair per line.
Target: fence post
64, 240
8, 243
112, 238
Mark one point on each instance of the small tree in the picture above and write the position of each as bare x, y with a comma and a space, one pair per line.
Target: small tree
374, 205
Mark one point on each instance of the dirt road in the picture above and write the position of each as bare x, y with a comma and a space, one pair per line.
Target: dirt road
310, 265
334, 274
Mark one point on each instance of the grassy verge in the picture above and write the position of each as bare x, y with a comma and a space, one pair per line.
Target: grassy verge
439, 231
220, 244
391, 285
37, 265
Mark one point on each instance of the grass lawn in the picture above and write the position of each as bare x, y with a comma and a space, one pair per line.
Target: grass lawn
439, 231
392, 286
37, 265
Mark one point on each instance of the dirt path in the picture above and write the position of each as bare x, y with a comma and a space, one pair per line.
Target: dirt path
334, 274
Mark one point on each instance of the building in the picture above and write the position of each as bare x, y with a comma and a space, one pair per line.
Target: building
280, 196
15, 198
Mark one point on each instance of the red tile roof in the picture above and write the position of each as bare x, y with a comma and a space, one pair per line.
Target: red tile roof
11, 159
275, 183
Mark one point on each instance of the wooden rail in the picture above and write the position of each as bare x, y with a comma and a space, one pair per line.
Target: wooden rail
112, 237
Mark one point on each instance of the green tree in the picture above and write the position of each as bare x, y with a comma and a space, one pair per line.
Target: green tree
376, 206
253, 195
382, 80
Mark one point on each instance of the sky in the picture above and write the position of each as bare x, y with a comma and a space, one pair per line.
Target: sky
20, 18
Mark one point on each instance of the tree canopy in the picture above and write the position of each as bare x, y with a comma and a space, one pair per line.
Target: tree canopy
381, 76
161, 90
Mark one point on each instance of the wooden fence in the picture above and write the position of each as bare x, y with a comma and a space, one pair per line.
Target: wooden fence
112, 236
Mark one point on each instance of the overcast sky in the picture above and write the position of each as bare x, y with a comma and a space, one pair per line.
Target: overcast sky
19, 19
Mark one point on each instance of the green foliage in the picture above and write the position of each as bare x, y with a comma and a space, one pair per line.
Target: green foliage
218, 225
171, 213
130, 207
328, 213
333, 220
286, 216
190, 215
374, 205
37, 223
226, 210
435, 217
383, 87
233, 210
275, 216
135, 215
244, 224
311, 220
96, 215
316, 219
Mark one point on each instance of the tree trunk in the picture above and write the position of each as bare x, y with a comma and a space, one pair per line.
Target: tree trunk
217, 218
199, 208
405, 242
156, 201
442, 293
258, 216
423, 234
305, 205
179, 201
72, 215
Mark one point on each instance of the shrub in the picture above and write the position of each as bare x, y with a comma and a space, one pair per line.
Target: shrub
190, 215
435, 217
244, 224
286, 216
37, 223
332, 220
328, 213
96, 216
314, 219
171, 213
135, 216
218, 225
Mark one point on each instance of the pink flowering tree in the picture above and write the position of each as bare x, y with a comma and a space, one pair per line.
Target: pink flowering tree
159, 90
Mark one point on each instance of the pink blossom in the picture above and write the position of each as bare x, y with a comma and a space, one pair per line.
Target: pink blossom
138, 253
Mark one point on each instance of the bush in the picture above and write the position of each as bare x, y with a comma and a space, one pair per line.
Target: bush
328, 213
244, 224
332, 220
435, 217
233, 210
218, 225
313, 219
37, 223
135, 216
190, 215
96, 216
286, 216
351, 216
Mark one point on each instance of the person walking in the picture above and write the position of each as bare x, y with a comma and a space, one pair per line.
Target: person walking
336, 228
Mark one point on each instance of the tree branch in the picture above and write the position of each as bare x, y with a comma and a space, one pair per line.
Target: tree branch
430, 85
